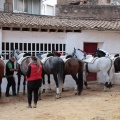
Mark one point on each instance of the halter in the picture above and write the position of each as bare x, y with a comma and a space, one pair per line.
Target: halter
17, 54
84, 53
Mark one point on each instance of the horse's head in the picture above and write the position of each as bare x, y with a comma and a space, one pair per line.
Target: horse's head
79, 54
1, 57
17, 54
100, 53
56, 53
42, 55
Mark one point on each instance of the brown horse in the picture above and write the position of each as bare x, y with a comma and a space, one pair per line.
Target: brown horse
2, 66
117, 64
73, 67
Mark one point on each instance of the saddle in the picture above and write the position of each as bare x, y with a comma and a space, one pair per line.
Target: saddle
90, 59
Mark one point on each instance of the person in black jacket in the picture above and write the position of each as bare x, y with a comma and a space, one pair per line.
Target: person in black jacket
10, 78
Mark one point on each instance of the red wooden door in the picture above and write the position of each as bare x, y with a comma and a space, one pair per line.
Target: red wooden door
90, 48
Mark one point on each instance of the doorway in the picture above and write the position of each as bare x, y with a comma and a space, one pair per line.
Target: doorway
90, 48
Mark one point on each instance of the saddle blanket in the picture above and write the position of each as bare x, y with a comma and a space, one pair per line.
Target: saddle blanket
21, 59
90, 59
66, 59
45, 58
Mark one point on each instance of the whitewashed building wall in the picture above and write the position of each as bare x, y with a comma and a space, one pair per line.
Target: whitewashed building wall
48, 7
2, 5
105, 39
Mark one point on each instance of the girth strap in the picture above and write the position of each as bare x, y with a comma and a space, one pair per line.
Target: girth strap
86, 66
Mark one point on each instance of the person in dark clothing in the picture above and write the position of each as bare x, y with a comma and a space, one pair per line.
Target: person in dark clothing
34, 80
10, 78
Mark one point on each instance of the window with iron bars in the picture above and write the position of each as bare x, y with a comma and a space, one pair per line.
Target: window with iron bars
32, 48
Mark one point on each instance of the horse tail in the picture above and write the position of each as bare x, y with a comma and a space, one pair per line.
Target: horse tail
80, 77
111, 72
60, 74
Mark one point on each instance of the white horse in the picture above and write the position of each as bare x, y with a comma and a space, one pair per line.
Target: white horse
103, 64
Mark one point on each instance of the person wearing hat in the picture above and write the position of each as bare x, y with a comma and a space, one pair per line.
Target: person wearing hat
10, 76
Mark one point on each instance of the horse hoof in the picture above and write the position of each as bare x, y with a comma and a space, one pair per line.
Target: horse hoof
79, 92
63, 90
43, 91
40, 99
58, 96
49, 90
105, 89
76, 93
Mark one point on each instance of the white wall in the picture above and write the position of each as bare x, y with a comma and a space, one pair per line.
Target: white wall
115, 2
2, 5
109, 41
45, 10
41, 37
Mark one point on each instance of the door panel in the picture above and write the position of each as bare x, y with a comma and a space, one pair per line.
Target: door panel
90, 48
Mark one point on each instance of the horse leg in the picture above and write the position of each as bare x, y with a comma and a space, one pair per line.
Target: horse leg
0, 91
58, 95
76, 87
49, 87
63, 83
84, 79
107, 78
18, 88
111, 74
43, 80
0, 87
24, 83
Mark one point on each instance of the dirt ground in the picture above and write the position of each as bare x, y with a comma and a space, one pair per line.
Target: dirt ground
93, 104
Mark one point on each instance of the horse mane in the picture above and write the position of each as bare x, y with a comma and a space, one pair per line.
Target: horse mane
69, 56
26, 54
99, 53
56, 53
116, 55
50, 54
